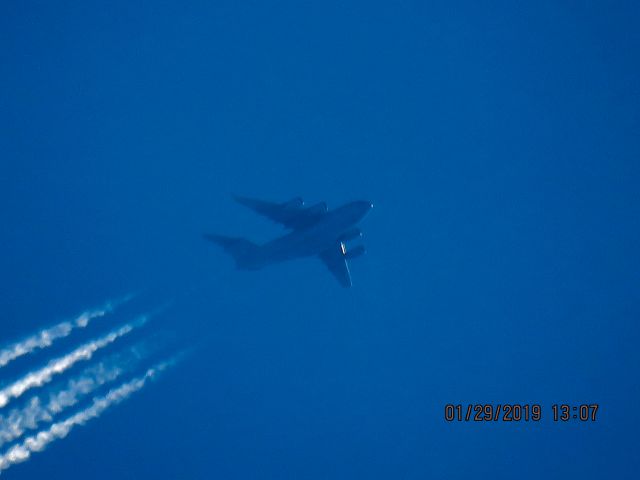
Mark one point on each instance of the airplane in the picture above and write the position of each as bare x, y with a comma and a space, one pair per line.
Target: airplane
314, 232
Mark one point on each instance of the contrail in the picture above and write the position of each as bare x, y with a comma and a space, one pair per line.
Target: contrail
60, 364
36, 443
47, 336
38, 410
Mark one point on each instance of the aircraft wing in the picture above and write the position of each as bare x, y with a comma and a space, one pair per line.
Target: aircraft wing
291, 214
336, 262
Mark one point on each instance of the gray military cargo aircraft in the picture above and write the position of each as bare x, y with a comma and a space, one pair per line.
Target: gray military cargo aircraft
315, 232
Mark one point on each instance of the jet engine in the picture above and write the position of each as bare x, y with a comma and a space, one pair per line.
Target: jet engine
294, 203
356, 252
317, 209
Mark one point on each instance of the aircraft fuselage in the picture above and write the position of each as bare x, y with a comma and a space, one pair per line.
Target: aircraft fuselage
312, 240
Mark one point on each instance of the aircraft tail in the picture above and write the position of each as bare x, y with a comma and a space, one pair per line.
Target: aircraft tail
241, 249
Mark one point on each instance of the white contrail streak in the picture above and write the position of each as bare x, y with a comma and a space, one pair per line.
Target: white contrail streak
45, 338
60, 364
36, 443
39, 410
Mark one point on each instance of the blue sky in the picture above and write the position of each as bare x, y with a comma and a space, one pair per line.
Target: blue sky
500, 148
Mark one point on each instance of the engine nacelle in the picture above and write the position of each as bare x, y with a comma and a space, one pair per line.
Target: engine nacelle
317, 209
356, 252
351, 234
294, 203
